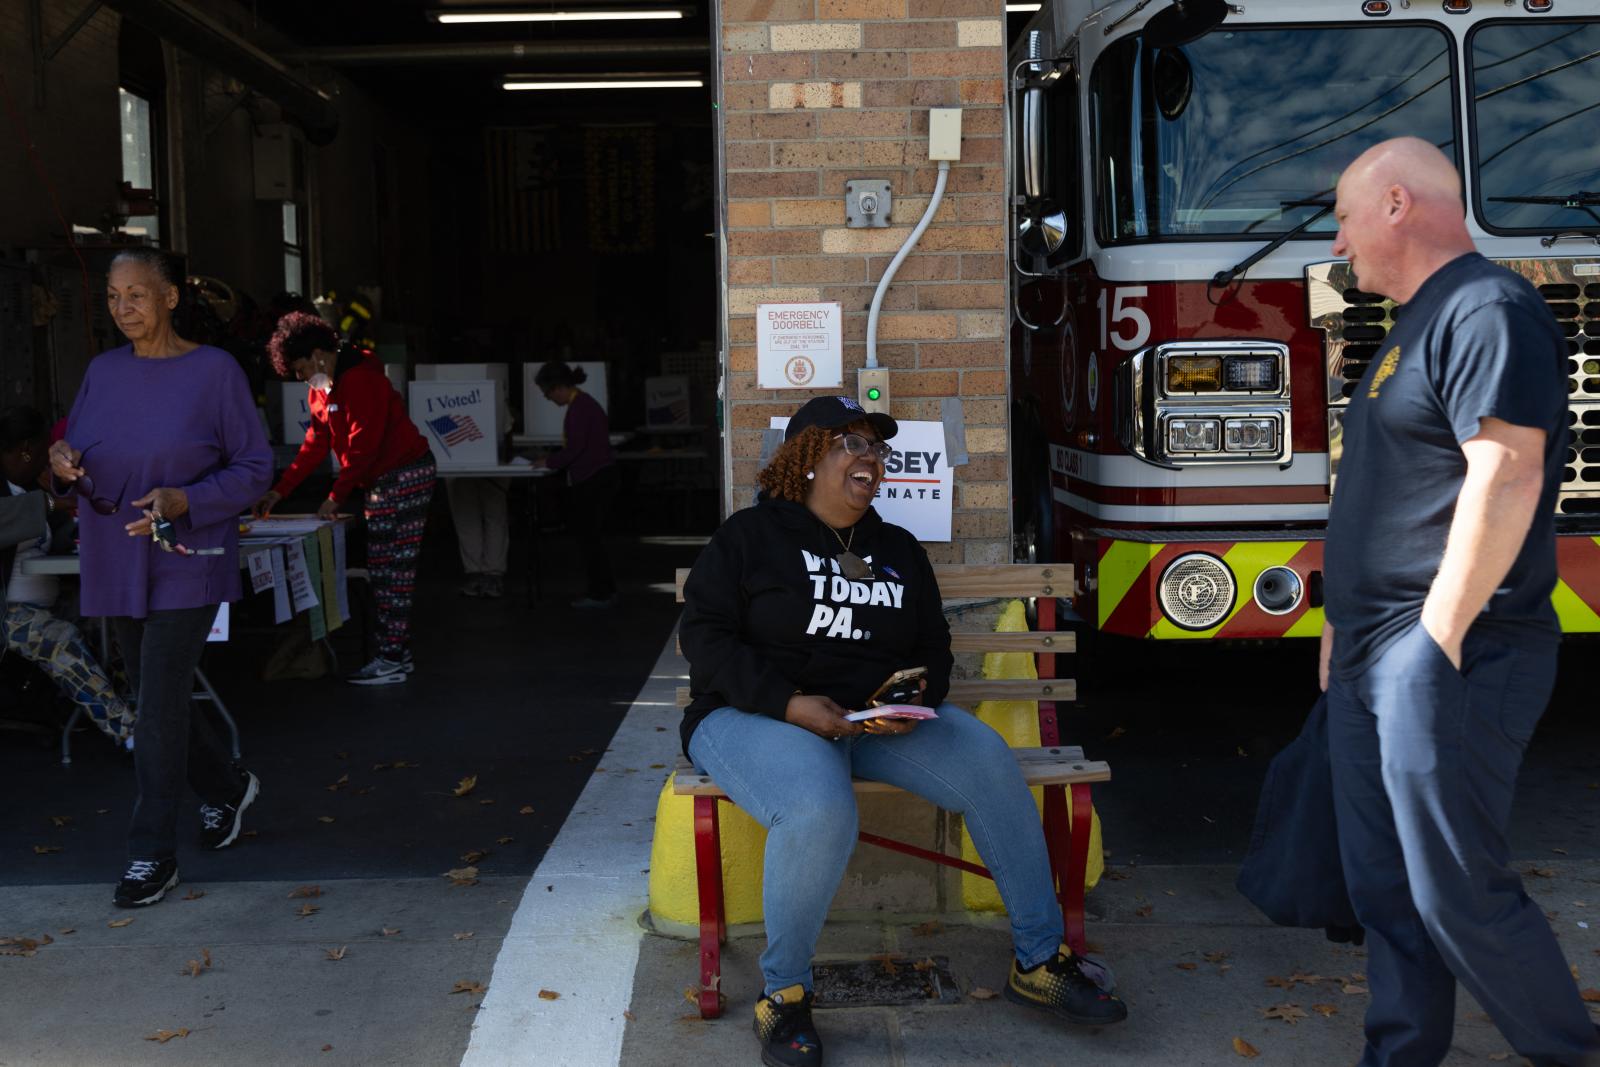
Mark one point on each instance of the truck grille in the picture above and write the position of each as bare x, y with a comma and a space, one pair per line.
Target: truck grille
1355, 324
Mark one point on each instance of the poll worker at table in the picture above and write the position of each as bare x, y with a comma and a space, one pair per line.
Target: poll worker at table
356, 413
591, 468
795, 613
164, 449
30, 627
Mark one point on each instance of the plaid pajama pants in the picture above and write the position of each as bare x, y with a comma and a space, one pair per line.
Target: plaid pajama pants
397, 511
56, 646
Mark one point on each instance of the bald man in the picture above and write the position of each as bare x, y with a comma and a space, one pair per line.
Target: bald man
1440, 650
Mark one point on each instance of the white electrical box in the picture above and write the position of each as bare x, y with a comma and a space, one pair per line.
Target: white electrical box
944, 133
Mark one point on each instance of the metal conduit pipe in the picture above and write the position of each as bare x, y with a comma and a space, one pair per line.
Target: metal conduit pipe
502, 52
184, 26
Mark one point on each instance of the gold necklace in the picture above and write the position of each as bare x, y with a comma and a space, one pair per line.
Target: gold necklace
850, 565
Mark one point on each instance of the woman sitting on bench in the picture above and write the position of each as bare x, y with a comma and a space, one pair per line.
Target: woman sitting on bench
796, 612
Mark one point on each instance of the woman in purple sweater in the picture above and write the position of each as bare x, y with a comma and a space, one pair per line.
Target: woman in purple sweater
163, 439
591, 469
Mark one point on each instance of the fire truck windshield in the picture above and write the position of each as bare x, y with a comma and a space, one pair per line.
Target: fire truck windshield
1211, 138
1536, 98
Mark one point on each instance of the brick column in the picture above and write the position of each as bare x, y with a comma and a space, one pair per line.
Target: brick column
816, 92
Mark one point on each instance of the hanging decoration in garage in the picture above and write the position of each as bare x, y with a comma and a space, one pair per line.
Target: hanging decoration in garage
524, 172
620, 183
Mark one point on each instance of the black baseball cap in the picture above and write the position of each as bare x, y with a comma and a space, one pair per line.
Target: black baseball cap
832, 412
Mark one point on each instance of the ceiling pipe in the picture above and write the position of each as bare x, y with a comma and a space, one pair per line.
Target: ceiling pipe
504, 53
184, 26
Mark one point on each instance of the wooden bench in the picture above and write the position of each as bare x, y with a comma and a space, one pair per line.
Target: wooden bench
1054, 767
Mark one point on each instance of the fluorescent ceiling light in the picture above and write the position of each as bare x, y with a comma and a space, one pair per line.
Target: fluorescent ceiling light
599, 15
1022, 7
517, 84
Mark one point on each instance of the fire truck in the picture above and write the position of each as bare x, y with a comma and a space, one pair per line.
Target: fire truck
1183, 344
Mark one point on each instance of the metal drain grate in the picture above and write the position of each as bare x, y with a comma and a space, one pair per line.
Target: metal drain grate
884, 981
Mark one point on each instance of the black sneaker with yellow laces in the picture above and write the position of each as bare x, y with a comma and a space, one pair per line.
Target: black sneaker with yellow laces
783, 1025
1059, 986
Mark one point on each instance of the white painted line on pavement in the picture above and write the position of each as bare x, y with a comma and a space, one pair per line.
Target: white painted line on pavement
576, 931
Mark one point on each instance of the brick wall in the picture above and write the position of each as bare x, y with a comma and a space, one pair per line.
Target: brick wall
816, 92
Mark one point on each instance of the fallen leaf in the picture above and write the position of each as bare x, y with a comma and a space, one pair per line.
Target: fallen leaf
389, 931
1540, 872
1145, 912
923, 965
467, 936
466, 785
325, 818
1590, 996
504, 840
101, 811
657, 766
1169, 892
1289, 1013
305, 891
462, 875
1279, 982
982, 993
1499, 1057
60, 821
465, 986
526, 809
1115, 733
69, 930
251, 833
337, 953
192, 969
327, 1048
193, 894
1354, 990
401, 765
487, 801
549, 994
1306, 979
1117, 874
1245, 1048
1325, 1010
45, 850
474, 855
205, 956
164, 1036
344, 780
1188, 966
1559, 851
929, 928
630, 1016
118, 923
886, 961
306, 910
1216, 957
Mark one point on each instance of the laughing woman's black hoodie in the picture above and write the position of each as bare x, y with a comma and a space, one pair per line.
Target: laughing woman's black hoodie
767, 614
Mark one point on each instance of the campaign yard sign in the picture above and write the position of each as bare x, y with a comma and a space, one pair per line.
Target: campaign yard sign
916, 491
460, 420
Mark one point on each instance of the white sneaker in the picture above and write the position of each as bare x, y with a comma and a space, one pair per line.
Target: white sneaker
380, 671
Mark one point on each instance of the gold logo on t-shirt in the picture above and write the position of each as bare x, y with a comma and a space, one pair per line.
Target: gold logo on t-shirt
1386, 369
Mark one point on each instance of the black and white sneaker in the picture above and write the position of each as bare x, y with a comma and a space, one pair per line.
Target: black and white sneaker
145, 882
381, 671
219, 827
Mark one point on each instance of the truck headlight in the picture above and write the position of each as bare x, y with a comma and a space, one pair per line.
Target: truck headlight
1193, 435
1196, 591
1194, 374
1251, 374
1250, 435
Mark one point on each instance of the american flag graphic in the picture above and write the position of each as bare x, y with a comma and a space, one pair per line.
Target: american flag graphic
455, 429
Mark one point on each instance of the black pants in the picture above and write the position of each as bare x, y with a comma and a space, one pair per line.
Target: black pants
591, 504
171, 742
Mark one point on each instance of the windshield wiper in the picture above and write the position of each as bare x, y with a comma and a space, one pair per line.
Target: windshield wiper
1224, 278
1582, 199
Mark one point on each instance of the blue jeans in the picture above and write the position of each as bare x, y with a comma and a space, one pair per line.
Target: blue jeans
1425, 761
797, 785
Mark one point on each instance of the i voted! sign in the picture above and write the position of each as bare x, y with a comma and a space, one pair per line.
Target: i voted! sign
460, 419
916, 491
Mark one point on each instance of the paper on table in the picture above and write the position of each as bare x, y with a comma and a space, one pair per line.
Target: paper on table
317, 616
341, 586
280, 586
300, 588
327, 587
893, 711
260, 570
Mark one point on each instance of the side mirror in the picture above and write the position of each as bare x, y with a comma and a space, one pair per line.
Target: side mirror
1032, 137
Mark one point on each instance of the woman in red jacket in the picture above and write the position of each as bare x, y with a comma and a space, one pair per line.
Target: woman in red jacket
357, 413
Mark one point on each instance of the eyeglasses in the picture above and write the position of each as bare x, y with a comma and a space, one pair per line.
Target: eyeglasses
85, 487
856, 445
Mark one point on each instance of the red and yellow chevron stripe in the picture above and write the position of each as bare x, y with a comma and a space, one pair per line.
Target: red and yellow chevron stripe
1127, 574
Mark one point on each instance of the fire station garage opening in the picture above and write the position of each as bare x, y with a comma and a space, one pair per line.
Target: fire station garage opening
467, 191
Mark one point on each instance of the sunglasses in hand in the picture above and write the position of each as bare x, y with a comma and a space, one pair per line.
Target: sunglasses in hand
85, 487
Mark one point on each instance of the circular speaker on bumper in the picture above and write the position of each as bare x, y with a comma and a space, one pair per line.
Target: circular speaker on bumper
1279, 590
1196, 591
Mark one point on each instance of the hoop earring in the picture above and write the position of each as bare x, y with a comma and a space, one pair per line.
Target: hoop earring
811, 475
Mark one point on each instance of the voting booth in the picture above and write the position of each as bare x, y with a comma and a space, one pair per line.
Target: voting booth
666, 402
541, 418
294, 416
460, 421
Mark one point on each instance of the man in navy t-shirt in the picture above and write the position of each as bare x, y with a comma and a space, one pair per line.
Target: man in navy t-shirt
1440, 649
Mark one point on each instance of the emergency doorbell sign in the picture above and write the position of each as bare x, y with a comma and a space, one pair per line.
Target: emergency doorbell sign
799, 346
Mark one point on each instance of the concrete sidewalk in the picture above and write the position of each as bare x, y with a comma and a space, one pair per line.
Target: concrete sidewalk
1198, 969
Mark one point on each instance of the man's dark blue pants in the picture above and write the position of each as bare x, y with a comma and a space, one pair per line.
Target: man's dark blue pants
1425, 761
